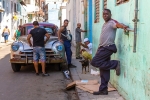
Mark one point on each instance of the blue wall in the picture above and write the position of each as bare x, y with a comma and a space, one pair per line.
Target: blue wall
90, 20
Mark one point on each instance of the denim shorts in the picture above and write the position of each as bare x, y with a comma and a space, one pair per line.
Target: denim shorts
39, 54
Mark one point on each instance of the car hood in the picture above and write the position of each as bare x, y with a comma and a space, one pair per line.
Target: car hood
48, 45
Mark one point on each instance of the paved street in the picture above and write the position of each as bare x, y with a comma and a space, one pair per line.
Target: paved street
25, 85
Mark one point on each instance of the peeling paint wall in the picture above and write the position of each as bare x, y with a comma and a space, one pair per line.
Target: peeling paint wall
134, 82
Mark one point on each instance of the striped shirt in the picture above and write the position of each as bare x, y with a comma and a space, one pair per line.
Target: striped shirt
108, 33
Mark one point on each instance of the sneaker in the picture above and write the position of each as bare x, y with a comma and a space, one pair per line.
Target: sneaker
78, 57
71, 66
37, 74
118, 69
104, 92
45, 74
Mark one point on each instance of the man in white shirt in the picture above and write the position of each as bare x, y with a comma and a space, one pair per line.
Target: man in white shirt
87, 51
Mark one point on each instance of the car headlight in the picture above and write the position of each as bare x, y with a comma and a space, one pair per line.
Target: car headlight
59, 47
15, 47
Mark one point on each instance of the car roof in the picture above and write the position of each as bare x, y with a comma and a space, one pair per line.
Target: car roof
40, 23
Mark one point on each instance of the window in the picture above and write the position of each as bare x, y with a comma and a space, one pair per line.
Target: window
18, 7
0, 17
105, 4
27, 1
15, 7
4, 4
7, 8
97, 11
11, 6
42, 5
121, 1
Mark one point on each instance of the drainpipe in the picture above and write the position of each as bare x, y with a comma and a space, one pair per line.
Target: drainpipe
135, 20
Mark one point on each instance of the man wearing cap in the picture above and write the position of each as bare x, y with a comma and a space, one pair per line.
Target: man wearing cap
78, 40
87, 51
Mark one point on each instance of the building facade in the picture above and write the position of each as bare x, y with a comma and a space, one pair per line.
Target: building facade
133, 49
11, 14
75, 14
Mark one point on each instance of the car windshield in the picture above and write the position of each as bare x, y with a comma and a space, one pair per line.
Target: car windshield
48, 29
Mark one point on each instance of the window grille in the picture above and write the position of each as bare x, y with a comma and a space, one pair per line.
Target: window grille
121, 1
105, 4
97, 4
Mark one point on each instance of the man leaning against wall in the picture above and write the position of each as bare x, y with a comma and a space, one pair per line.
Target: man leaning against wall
78, 40
106, 48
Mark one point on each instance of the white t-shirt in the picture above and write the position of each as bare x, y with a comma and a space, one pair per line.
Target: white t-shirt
89, 49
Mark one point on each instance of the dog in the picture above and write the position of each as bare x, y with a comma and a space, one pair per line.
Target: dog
85, 63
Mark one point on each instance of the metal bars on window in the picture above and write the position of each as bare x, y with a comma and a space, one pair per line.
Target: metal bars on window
121, 1
105, 4
97, 8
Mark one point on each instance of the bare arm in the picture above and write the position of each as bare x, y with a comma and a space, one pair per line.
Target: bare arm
9, 31
83, 30
47, 37
28, 38
59, 32
120, 25
85, 46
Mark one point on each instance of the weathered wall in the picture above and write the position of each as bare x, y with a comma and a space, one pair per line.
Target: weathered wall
133, 83
75, 14
7, 18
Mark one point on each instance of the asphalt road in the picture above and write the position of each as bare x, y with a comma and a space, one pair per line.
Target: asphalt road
25, 85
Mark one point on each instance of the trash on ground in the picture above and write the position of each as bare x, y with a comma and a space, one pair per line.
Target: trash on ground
96, 73
66, 73
87, 85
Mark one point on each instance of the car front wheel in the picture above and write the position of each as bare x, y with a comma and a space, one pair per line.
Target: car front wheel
16, 67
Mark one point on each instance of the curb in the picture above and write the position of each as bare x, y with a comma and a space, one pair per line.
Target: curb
82, 95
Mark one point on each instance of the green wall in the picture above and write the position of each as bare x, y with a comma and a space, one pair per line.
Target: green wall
134, 82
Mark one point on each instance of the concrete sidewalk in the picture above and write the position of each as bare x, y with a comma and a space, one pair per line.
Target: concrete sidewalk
76, 74
3, 44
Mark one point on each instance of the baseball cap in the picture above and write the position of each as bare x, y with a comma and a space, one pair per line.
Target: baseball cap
86, 39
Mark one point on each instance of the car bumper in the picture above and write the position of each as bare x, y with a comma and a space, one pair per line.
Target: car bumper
27, 61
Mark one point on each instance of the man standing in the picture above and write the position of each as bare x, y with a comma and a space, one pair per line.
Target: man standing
78, 40
62, 36
38, 35
6, 33
106, 48
87, 51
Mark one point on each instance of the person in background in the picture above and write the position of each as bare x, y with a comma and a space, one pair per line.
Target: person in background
6, 33
38, 35
62, 36
17, 33
78, 40
106, 48
87, 51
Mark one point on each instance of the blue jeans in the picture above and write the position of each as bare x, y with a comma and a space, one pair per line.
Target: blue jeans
6, 37
39, 53
67, 45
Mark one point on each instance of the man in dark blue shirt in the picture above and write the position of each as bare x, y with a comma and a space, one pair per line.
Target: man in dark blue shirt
38, 35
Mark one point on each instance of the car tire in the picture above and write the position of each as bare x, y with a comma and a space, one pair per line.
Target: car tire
63, 66
15, 67
59, 66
